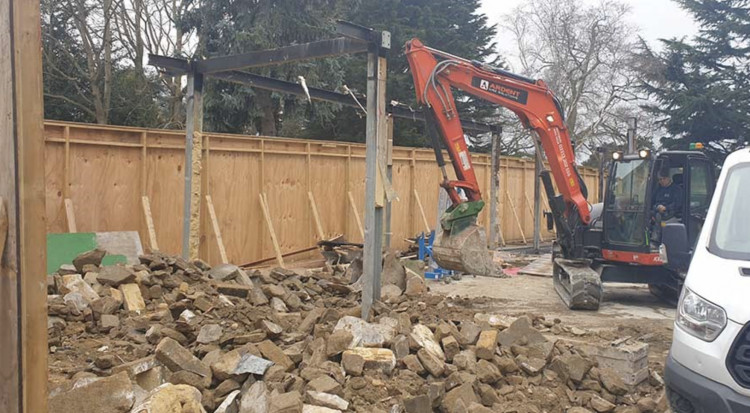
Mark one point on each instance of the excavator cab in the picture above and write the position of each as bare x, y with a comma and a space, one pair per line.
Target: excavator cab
637, 231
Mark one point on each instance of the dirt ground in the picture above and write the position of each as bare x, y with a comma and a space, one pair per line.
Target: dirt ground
627, 309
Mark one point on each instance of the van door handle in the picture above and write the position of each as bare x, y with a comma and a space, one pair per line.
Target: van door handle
745, 272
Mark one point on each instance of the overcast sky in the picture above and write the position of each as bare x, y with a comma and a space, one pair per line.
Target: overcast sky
655, 18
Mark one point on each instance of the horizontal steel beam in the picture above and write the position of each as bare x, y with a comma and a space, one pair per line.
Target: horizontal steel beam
364, 34
282, 86
173, 65
313, 50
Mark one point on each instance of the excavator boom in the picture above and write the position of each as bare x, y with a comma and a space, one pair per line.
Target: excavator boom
462, 244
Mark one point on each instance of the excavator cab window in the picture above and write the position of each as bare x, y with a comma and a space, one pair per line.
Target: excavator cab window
624, 209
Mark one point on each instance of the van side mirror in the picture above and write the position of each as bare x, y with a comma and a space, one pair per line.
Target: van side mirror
675, 239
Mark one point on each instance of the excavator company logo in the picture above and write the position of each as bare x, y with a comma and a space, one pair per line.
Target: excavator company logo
516, 95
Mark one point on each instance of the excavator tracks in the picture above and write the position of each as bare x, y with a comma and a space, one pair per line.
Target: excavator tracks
577, 284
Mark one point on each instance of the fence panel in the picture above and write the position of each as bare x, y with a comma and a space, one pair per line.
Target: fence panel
105, 171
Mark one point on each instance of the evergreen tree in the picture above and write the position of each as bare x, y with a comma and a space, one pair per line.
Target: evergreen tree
232, 27
454, 26
703, 86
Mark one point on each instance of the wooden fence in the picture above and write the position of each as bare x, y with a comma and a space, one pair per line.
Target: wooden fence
105, 171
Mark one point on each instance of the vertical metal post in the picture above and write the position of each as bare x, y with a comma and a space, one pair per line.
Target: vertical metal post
193, 149
601, 152
494, 187
537, 197
632, 129
389, 174
372, 257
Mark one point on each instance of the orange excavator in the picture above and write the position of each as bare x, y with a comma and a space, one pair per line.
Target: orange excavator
611, 241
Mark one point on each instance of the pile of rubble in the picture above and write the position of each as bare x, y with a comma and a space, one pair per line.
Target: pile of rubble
171, 336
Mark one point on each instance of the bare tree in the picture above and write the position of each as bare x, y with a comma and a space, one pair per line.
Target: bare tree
584, 53
87, 59
155, 26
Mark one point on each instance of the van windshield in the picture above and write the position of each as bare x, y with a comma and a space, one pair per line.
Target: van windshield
730, 237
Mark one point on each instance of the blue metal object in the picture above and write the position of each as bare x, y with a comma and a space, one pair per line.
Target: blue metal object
425, 252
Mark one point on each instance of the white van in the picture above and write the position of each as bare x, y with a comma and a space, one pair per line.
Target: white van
708, 369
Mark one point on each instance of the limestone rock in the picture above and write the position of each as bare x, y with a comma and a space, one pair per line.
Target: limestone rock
171, 398
375, 358
114, 275
93, 257
110, 394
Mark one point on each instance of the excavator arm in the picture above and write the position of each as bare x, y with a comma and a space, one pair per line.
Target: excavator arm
530, 100
462, 244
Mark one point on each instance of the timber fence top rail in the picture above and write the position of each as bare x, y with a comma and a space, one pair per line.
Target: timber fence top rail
180, 133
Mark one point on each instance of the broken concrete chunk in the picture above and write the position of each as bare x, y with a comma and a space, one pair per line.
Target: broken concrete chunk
375, 358
450, 347
415, 284
223, 272
250, 363
337, 342
235, 290
325, 384
532, 366
228, 405
290, 402
278, 305
461, 396
331, 401
418, 404
209, 333
114, 275
272, 352
74, 283
365, 334
520, 332
255, 399
108, 321
487, 372
109, 394
423, 336
177, 358
486, 344
431, 362
412, 363
400, 346
600, 405
132, 298
191, 379
93, 257
393, 272
612, 382
172, 398
571, 366
352, 363
274, 290
390, 292
469, 333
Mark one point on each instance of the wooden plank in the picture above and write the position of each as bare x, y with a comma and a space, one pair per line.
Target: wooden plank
217, 230
285, 255
269, 225
356, 215
421, 211
3, 226
316, 217
71, 216
23, 292
531, 211
515, 214
146, 203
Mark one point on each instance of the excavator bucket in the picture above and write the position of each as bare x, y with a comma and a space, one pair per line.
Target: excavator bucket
465, 251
